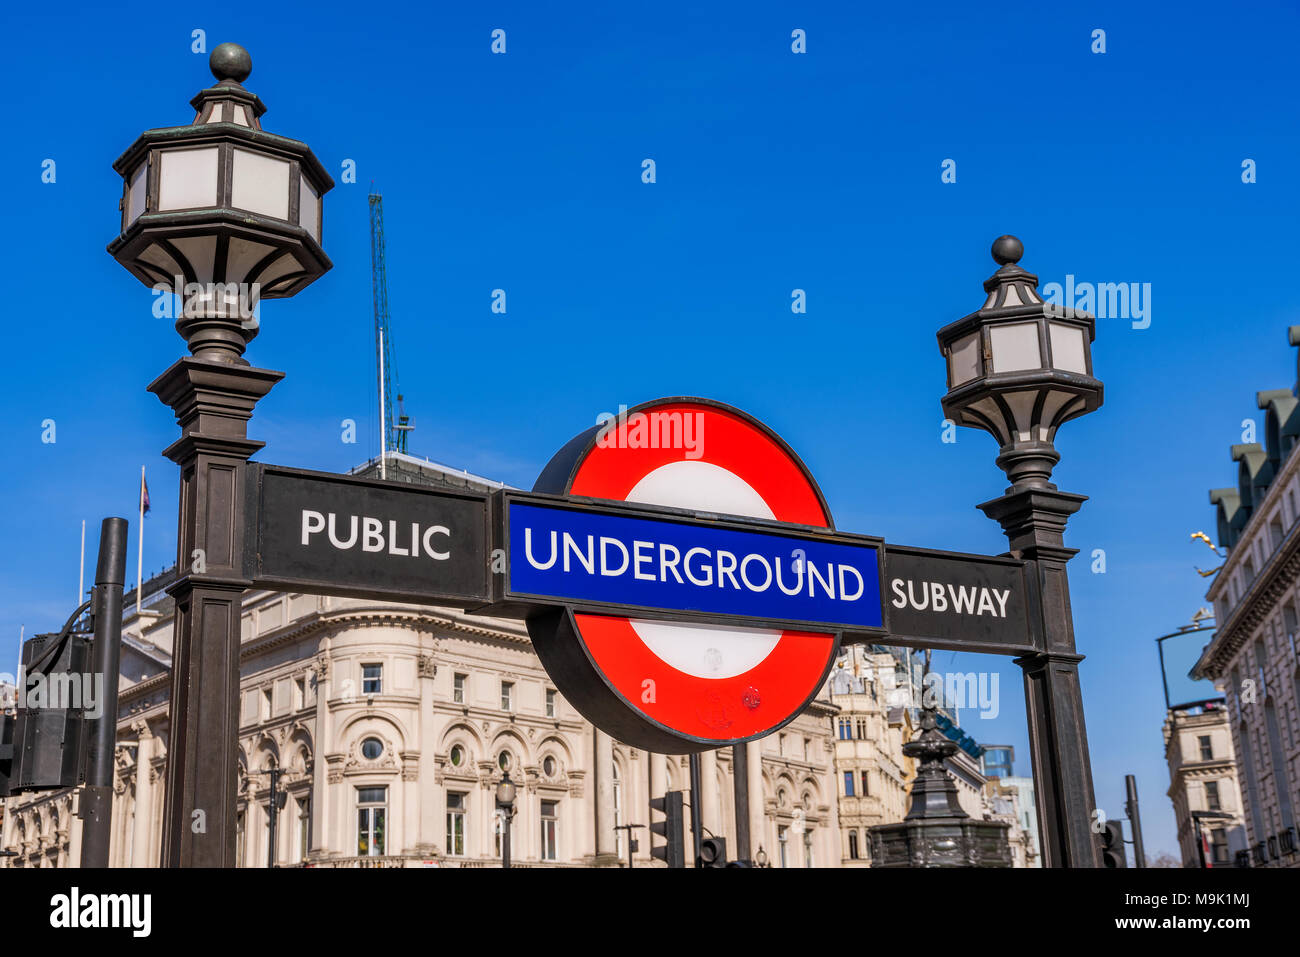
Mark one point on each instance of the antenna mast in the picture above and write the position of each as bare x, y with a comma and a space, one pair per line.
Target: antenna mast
394, 424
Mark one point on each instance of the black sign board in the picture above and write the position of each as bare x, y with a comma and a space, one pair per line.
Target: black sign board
321, 533
956, 601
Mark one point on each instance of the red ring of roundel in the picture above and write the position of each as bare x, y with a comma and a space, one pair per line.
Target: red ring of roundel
721, 709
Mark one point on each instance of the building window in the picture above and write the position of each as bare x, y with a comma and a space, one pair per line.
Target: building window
372, 806
853, 845
550, 817
1212, 795
503, 760
1219, 845
550, 702
808, 848
241, 844
266, 703
458, 688
846, 729
455, 824
807, 749
548, 766
1262, 690
372, 679
1275, 529
862, 729
865, 790
304, 827
1207, 750
372, 749
782, 842
848, 784
457, 756
507, 696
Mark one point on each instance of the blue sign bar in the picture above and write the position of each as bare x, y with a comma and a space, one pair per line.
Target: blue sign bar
590, 556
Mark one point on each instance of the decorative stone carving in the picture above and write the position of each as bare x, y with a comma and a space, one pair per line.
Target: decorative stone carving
425, 667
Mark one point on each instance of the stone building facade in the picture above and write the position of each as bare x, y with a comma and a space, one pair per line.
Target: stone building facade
1255, 654
873, 775
1203, 778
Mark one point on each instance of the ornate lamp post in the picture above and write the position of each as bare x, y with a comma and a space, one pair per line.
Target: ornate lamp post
1018, 368
506, 805
231, 214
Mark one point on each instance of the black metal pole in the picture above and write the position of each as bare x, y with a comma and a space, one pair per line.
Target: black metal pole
273, 811
213, 402
1034, 520
96, 809
507, 813
697, 824
1135, 821
740, 785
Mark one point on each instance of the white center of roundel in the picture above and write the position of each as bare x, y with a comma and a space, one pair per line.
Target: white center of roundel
703, 651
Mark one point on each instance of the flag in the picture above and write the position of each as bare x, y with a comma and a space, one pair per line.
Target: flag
144, 494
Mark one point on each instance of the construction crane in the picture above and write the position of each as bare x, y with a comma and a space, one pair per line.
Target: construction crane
394, 424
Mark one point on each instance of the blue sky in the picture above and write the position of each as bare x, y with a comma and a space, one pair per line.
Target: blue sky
775, 171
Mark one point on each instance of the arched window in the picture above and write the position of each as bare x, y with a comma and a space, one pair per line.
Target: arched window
853, 844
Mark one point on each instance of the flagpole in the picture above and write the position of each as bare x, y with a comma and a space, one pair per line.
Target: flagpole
139, 554
81, 568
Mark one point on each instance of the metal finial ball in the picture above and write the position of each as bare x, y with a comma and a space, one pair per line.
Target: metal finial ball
230, 61
1007, 249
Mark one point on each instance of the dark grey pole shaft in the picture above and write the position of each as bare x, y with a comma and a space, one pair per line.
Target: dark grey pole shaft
506, 819
697, 834
213, 402
740, 785
1135, 821
105, 656
272, 813
1034, 520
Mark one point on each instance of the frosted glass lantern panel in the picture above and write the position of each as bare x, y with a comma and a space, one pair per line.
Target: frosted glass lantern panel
136, 193
964, 360
187, 178
260, 184
309, 209
1015, 347
1068, 348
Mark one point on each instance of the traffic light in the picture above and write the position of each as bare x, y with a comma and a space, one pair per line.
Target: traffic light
673, 852
1112, 845
6, 752
50, 728
713, 852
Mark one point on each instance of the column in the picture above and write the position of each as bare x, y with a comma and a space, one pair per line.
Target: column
425, 837
144, 795
710, 799
757, 799
322, 737
604, 786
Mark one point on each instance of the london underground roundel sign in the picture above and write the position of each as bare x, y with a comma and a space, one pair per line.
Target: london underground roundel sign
677, 686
